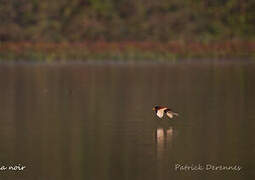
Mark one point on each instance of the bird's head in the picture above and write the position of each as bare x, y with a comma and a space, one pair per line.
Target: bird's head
155, 108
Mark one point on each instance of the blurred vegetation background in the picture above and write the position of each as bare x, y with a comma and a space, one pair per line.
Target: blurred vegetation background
69, 21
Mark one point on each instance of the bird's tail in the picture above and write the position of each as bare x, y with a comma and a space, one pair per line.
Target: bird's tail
175, 114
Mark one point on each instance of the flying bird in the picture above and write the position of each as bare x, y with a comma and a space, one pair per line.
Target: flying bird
161, 110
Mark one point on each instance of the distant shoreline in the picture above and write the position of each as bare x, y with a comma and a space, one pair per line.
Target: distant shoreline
125, 51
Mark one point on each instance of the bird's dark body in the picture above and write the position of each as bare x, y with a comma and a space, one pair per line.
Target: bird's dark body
167, 110
161, 107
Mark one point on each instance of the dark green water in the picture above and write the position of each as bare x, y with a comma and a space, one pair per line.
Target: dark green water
84, 121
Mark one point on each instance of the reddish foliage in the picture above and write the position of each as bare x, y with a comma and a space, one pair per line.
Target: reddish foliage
174, 47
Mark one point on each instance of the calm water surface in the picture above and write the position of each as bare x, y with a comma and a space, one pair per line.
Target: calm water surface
85, 121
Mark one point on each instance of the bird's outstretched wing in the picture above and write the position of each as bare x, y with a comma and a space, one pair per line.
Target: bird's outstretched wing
160, 112
170, 113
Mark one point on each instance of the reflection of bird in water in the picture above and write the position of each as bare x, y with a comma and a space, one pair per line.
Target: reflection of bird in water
163, 137
162, 134
161, 110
